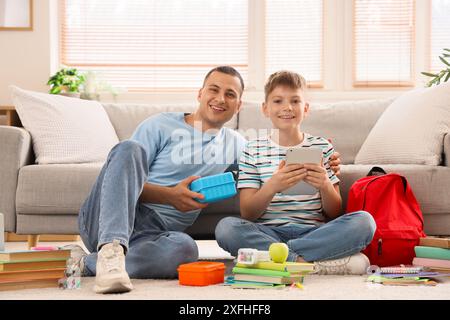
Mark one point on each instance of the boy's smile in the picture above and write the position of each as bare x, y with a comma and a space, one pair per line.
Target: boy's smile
286, 107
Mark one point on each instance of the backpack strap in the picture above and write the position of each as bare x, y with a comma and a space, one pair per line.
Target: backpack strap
376, 171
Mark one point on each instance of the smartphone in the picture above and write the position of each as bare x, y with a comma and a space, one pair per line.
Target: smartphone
302, 155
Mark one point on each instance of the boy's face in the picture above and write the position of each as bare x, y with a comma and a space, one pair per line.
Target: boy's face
286, 107
220, 99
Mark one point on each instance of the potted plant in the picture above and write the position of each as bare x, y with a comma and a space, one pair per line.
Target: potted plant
95, 85
442, 75
66, 81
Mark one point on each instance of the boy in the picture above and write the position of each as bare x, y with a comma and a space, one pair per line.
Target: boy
269, 215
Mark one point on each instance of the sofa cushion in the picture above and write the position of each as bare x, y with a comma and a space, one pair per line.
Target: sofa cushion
427, 182
64, 130
54, 189
346, 123
125, 117
411, 130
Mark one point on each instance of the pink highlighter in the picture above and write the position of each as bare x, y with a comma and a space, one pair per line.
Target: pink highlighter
43, 248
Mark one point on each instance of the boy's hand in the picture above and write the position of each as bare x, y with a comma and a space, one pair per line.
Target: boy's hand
317, 175
286, 176
183, 199
335, 161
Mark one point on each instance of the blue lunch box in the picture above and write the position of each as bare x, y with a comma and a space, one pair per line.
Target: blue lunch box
215, 188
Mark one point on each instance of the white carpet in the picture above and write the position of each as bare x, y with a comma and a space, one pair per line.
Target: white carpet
315, 287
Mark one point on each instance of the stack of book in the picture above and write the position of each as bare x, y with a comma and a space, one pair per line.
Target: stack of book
32, 268
433, 253
431, 263
404, 276
268, 274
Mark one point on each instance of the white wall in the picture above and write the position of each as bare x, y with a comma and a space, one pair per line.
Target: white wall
25, 55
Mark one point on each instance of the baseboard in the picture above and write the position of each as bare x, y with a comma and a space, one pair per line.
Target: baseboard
12, 237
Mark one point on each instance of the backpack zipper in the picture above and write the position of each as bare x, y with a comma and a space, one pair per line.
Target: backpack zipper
380, 243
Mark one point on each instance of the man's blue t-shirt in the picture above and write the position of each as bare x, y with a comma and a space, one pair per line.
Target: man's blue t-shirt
176, 150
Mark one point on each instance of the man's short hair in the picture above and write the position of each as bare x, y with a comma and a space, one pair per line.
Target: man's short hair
284, 78
227, 70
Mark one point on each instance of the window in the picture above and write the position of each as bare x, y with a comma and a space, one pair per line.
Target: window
440, 33
338, 46
294, 38
383, 42
154, 44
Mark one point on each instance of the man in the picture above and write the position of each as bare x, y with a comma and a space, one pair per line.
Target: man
133, 219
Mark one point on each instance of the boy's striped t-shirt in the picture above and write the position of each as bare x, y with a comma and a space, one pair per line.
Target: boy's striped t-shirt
259, 161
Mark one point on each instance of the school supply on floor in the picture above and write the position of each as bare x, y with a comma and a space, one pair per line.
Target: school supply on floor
432, 252
20, 275
250, 256
431, 263
390, 200
439, 242
215, 188
32, 268
403, 281
201, 273
11, 256
29, 284
72, 275
32, 264
404, 275
268, 279
401, 269
236, 284
303, 267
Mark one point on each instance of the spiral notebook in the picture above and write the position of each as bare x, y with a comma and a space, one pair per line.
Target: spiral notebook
402, 269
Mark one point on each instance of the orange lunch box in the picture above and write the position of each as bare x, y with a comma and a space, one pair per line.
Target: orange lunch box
201, 273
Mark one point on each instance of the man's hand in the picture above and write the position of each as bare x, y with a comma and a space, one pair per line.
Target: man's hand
286, 176
335, 161
183, 199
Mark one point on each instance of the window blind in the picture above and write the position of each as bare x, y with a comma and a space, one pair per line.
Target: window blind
383, 44
440, 33
154, 44
294, 38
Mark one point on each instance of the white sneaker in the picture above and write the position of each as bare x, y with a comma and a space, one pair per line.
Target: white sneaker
356, 264
111, 274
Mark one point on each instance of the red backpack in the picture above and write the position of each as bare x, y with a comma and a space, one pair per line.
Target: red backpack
391, 202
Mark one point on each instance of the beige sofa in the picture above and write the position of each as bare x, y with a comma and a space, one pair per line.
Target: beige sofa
45, 199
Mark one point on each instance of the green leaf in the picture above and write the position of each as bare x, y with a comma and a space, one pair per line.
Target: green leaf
444, 61
447, 77
446, 55
447, 50
428, 74
55, 90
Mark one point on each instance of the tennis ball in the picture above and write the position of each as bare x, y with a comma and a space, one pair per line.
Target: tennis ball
278, 252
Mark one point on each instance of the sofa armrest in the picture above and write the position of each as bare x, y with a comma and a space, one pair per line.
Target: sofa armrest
15, 152
447, 150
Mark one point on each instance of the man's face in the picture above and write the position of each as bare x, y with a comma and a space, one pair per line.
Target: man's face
220, 99
286, 107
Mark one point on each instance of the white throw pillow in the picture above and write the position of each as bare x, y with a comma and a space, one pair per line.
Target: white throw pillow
411, 130
64, 130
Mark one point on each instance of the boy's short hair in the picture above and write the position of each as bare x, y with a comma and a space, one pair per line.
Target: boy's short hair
284, 78
227, 70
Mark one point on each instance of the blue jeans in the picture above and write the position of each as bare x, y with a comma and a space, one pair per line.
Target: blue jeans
343, 236
112, 211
